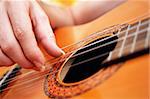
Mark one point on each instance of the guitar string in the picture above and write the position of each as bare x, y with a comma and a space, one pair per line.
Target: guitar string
54, 58
38, 78
76, 44
147, 37
142, 16
130, 20
66, 54
48, 60
83, 47
90, 59
76, 54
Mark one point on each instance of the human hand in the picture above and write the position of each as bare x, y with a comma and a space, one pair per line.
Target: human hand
23, 24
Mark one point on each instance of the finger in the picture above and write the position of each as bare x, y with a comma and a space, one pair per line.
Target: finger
44, 31
23, 32
4, 60
9, 44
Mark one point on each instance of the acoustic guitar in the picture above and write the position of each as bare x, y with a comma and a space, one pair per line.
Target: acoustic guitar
107, 58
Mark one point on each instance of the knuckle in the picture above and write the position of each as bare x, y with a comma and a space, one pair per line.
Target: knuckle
7, 47
19, 33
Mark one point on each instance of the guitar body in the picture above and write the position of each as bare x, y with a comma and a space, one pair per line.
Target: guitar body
130, 81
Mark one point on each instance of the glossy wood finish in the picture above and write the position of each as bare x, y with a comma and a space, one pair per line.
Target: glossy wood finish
130, 82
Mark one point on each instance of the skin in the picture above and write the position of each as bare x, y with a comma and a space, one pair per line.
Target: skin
21, 28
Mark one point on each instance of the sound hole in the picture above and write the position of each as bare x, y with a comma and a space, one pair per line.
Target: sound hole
74, 72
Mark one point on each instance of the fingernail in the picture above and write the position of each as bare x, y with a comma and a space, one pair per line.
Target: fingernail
57, 51
62, 52
39, 65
